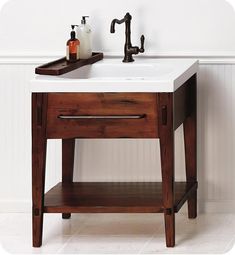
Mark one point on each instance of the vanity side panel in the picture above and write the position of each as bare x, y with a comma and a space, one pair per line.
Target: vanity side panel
183, 102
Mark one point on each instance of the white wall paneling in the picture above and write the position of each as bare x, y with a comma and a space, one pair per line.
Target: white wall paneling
121, 160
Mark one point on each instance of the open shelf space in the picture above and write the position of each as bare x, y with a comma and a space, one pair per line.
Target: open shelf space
110, 197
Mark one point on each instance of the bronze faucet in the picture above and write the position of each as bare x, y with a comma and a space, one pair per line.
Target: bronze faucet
129, 50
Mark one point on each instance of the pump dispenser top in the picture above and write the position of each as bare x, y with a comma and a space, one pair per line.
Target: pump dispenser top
83, 21
73, 33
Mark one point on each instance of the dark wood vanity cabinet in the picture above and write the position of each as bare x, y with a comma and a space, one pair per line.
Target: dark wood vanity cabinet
68, 116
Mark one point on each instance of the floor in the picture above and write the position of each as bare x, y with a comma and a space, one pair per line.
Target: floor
118, 234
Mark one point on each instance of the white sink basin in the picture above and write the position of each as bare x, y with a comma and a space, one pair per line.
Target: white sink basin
111, 75
134, 71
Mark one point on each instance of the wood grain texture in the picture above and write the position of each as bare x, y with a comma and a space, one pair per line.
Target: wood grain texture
68, 146
166, 132
80, 104
62, 66
39, 142
113, 197
182, 104
190, 138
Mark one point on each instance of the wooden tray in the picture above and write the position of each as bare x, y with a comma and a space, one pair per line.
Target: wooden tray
62, 66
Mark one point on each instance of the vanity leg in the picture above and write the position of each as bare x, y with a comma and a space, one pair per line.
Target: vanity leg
190, 140
167, 163
39, 143
68, 146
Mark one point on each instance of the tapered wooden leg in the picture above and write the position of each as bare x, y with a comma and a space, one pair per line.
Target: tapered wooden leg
167, 162
39, 142
190, 139
67, 165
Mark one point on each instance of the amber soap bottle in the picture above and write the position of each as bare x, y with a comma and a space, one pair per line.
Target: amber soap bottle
73, 47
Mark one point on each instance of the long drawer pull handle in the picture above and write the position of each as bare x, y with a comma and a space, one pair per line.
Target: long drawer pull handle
65, 117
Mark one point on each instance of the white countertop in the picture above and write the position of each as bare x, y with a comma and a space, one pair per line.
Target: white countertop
111, 75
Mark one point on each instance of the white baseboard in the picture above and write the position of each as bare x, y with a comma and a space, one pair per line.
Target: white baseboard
15, 206
218, 206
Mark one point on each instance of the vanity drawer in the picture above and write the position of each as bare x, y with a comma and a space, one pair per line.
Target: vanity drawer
101, 115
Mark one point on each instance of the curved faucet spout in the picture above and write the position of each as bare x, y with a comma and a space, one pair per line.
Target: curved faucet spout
112, 27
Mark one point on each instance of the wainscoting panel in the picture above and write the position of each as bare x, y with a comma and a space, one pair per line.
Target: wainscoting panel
121, 160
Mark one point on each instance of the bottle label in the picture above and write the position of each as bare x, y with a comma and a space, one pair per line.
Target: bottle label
78, 52
72, 51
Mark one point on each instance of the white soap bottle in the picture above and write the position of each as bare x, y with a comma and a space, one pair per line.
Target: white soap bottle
84, 36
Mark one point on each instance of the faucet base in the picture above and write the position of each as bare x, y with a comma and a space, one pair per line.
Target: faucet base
128, 59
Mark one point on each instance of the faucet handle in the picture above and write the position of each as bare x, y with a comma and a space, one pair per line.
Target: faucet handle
142, 39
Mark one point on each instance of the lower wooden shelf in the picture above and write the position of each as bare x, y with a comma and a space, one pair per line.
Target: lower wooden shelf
110, 197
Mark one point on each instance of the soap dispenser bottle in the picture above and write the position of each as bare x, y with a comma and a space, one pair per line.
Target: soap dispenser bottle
73, 47
84, 35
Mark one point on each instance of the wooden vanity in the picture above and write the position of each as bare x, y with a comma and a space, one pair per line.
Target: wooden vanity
72, 115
